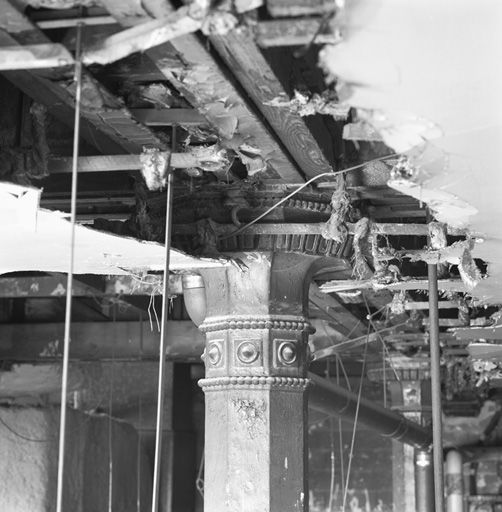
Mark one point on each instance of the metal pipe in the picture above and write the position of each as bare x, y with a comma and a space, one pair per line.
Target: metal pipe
424, 482
437, 421
163, 337
454, 482
326, 397
69, 282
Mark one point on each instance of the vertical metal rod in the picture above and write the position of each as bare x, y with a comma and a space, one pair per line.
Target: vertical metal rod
437, 421
71, 263
162, 348
424, 482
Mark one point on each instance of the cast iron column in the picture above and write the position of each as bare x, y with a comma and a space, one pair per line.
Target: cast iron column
255, 386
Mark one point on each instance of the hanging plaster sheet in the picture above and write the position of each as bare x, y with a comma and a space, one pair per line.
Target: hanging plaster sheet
427, 76
34, 239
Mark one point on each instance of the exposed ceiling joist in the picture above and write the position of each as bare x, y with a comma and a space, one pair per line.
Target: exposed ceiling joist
109, 127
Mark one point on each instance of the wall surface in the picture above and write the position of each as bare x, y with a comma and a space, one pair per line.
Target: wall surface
28, 463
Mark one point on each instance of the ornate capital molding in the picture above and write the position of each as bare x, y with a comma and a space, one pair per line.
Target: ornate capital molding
282, 323
249, 382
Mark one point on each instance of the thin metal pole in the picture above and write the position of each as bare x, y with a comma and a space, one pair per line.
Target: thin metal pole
162, 349
69, 282
437, 421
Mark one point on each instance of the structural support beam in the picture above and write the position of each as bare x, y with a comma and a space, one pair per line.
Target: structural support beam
110, 128
239, 51
100, 340
303, 31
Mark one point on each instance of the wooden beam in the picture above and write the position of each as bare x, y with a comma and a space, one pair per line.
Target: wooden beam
144, 36
34, 56
478, 333
99, 340
286, 8
451, 285
443, 304
192, 70
110, 129
240, 53
297, 32
168, 116
100, 163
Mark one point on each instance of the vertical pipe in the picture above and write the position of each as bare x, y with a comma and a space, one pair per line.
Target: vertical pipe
424, 482
71, 264
454, 482
163, 335
437, 427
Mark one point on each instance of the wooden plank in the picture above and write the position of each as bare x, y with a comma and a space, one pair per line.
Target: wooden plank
113, 122
292, 33
168, 116
239, 51
143, 36
100, 163
451, 285
34, 56
286, 8
478, 333
192, 70
443, 304
51, 24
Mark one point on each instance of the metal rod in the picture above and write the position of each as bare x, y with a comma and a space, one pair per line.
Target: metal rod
69, 282
163, 334
437, 426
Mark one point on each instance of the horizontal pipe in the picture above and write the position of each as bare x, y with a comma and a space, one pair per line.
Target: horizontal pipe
334, 400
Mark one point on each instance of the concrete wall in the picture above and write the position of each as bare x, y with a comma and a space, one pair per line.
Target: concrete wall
28, 463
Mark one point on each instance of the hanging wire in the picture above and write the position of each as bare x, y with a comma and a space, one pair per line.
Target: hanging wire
301, 187
332, 455
69, 283
340, 432
356, 417
22, 436
163, 334
110, 421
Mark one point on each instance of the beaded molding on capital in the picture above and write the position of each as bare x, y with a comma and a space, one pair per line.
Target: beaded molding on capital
285, 323
283, 383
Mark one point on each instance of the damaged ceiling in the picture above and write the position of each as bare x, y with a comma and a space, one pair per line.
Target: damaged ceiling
262, 98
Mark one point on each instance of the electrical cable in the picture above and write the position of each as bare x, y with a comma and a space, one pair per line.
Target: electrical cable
22, 436
163, 333
301, 187
340, 431
69, 284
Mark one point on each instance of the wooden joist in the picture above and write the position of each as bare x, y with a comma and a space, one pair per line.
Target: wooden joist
192, 70
242, 56
478, 333
450, 285
286, 8
297, 32
109, 127
168, 116
34, 56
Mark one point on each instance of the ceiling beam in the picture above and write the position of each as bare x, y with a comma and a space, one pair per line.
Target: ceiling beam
109, 127
450, 285
245, 60
187, 64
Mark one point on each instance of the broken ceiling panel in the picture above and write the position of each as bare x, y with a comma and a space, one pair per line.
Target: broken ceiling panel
425, 72
41, 240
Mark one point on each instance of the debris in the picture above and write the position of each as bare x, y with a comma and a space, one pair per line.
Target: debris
361, 130
252, 159
154, 167
469, 272
212, 158
360, 267
335, 228
218, 22
325, 104
398, 303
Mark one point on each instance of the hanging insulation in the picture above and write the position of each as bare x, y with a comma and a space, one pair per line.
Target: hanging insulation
335, 228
